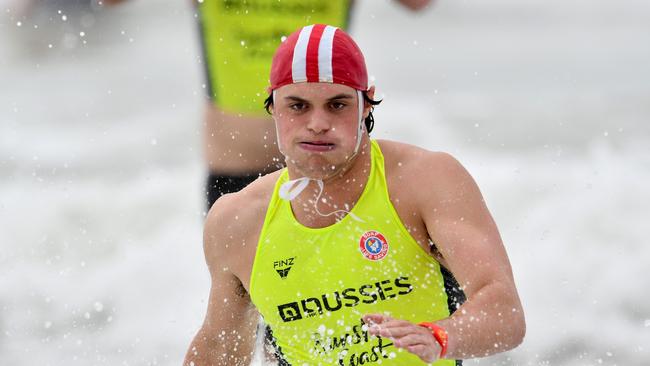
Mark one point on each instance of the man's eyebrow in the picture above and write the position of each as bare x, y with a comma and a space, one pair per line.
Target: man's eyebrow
301, 100
294, 98
341, 96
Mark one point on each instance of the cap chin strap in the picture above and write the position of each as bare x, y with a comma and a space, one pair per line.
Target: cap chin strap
277, 132
360, 129
292, 188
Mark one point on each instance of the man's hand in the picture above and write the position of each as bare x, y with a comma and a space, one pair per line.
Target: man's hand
404, 334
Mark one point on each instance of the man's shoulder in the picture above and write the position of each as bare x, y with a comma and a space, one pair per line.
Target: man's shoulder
438, 174
407, 158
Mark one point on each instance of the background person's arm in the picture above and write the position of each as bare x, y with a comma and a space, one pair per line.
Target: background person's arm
228, 331
415, 4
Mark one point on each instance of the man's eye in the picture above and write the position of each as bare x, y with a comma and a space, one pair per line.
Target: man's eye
297, 106
337, 105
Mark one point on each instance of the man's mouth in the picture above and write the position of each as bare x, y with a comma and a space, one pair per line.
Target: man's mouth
317, 145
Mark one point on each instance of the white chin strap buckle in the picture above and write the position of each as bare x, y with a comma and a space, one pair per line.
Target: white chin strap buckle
291, 189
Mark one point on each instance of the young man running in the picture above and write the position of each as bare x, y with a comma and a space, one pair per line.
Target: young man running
360, 251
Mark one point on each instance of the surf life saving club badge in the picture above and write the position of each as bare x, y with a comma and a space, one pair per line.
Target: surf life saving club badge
373, 245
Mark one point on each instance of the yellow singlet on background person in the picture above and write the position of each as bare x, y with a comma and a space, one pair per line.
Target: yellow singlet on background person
240, 37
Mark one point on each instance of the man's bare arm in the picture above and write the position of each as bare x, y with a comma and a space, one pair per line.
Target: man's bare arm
228, 331
463, 230
460, 225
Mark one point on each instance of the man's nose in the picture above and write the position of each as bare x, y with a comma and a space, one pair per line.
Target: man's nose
319, 121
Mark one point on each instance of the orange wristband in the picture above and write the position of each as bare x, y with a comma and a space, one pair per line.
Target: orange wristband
440, 334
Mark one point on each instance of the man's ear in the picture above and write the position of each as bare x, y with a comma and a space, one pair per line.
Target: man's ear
367, 106
371, 92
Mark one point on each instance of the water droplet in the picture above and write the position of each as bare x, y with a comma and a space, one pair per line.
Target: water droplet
99, 307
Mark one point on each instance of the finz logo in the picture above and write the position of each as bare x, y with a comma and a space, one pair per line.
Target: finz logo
373, 245
283, 266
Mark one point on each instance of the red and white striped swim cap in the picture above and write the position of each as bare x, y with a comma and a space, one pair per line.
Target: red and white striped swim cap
319, 53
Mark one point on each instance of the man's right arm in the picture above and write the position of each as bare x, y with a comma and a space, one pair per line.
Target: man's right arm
228, 331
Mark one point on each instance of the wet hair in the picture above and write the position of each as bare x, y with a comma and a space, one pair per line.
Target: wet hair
369, 121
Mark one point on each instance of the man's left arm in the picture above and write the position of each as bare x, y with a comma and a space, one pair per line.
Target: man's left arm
462, 228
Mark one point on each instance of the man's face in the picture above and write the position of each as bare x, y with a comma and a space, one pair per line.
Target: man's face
317, 126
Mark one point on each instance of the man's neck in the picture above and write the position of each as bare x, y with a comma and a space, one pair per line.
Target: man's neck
340, 192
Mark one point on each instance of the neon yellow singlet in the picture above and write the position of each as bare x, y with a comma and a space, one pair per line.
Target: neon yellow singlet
240, 37
312, 285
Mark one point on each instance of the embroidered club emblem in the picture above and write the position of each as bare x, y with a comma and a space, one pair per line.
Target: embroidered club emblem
373, 245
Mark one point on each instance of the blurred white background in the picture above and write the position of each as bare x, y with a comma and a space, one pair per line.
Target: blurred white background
547, 103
